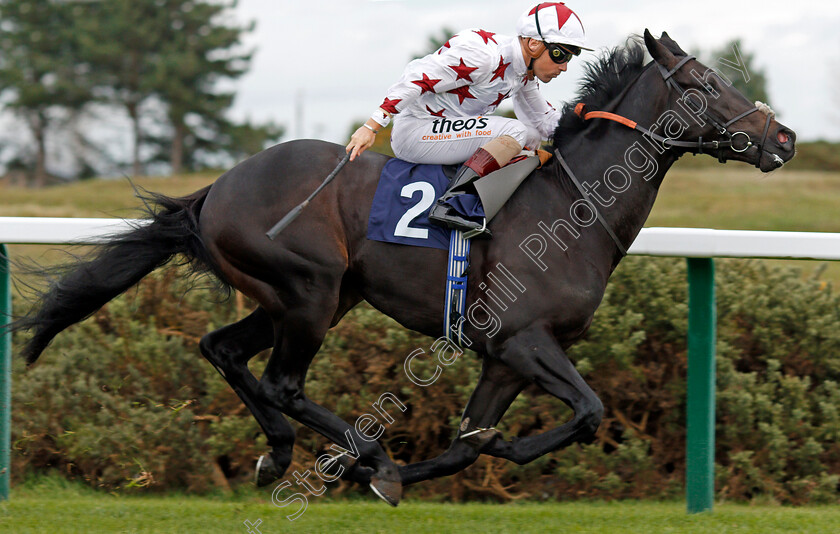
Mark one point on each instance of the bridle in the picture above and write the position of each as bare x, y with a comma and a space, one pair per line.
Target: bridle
699, 146
695, 147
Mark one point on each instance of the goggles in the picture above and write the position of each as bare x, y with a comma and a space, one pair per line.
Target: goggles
558, 53
561, 53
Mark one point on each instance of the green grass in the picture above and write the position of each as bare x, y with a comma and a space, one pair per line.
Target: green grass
54, 505
721, 196
89, 198
92, 198
736, 197
739, 198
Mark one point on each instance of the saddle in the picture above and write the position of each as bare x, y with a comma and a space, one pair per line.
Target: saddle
406, 191
497, 187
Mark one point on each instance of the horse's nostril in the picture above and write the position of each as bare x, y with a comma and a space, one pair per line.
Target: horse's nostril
783, 137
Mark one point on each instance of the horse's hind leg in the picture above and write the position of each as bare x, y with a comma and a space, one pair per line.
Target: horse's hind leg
228, 350
535, 354
497, 387
300, 332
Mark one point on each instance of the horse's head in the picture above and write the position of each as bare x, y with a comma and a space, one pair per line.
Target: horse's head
708, 115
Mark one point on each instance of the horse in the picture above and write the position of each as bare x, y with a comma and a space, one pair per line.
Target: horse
545, 238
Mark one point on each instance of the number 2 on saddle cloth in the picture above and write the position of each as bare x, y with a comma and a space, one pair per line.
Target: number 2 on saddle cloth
407, 191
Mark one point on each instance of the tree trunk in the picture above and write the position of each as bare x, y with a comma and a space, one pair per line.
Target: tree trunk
136, 166
39, 179
177, 157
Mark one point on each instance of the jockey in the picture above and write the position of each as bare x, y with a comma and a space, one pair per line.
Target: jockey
441, 102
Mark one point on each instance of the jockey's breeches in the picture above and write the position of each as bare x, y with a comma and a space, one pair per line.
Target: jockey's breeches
450, 141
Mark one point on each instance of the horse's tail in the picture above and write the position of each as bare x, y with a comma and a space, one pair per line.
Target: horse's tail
116, 265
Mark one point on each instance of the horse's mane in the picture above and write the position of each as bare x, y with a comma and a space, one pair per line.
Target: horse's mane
603, 80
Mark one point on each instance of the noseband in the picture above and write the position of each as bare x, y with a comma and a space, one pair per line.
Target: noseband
699, 146
695, 147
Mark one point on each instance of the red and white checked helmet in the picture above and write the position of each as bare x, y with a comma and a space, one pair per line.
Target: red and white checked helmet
556, 24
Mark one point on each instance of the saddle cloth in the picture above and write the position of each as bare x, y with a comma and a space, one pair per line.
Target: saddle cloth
407, 191
399, 213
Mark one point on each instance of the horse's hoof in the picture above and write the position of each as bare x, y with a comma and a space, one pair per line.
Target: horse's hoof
266, 471
480, 437
386, 483
353, 470
389, 491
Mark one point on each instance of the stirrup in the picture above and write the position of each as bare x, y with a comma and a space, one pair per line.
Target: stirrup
476, 431
448, 220
478, 231
479, 438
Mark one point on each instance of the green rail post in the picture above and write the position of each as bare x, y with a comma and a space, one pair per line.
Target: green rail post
700, 448
5, 375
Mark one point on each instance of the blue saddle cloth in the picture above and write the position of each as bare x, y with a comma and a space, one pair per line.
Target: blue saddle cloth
406, 193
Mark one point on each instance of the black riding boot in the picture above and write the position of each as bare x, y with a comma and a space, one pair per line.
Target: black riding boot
445, 215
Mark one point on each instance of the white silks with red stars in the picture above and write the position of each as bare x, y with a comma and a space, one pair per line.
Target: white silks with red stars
470, 76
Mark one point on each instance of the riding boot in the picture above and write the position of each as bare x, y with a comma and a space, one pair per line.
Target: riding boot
480, 164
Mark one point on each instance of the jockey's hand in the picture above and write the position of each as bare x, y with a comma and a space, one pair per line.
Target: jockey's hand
361, 140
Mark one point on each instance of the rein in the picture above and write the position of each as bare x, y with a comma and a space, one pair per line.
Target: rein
695, 147
592, 205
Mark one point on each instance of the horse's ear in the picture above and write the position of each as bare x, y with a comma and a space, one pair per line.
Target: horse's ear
672, 44
658, 51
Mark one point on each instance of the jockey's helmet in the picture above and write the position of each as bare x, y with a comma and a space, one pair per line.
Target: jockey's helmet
553, 23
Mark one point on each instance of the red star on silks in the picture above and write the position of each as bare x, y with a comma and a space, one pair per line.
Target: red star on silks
463, 71
445, 45
426, 84
500, 70
436, 113
463, 93
487, 36
499, 100
391, 105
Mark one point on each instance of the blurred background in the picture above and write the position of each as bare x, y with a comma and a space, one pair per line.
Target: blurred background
173, 92
93, 88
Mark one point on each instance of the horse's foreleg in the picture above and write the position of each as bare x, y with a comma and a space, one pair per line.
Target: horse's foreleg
228, 350
536, 355
282, 383
497, 387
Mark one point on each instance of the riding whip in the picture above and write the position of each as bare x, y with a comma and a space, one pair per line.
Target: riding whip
292, 215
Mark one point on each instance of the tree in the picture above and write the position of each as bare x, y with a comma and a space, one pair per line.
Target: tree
41, 72
196, 52
738, 65
122, 39
240, 141
161, 60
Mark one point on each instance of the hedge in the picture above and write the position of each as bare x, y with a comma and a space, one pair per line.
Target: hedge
125, 402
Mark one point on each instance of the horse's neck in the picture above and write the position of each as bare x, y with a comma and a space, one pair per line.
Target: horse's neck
603, 163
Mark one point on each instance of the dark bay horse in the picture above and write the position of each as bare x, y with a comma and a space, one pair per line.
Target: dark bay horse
321, 266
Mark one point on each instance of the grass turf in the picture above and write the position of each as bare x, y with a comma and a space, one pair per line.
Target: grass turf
63, 511
53, 504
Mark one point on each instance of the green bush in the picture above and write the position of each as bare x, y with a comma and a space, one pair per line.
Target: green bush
126, 401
